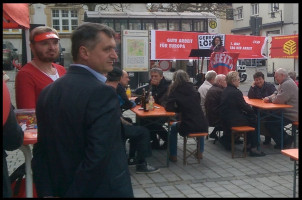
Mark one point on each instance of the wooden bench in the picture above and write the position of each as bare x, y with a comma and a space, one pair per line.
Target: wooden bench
195, 152
240, 130
295, 125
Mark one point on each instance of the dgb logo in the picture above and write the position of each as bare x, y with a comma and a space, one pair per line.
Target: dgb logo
212, 24
289, 47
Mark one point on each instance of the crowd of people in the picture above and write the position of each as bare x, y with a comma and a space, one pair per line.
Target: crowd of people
82, 131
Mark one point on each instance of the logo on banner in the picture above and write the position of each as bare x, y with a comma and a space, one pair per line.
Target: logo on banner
290, 47
205, 41
222, 59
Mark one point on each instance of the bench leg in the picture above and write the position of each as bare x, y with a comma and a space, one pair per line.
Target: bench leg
232, 144
198, 149
244, 143
185, 151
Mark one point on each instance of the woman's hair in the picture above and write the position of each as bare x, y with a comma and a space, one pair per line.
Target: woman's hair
231, 76
213, 41
179, 78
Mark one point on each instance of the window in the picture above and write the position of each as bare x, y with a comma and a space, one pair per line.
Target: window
161, 25
186, 25
255, 9
199, 25
274, 7
64, 20
148, 24
108, 22
120, 25
135, 24
239, 13
174, 25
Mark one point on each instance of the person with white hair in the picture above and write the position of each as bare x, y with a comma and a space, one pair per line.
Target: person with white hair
287, 93
212, 102
203, 89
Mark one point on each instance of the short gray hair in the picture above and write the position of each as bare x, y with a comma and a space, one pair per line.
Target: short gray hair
157, 70
282, 71
210, 75
218, 78
231, 76
292, 75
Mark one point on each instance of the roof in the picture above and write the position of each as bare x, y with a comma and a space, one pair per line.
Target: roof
148, 15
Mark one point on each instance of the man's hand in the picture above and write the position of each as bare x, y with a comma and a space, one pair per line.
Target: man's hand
266, 100
253, 84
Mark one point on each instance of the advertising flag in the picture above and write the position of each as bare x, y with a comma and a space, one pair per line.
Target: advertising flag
285, 46
224, 62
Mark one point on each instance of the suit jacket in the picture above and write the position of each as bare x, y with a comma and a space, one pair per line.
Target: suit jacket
80, 152
186, 101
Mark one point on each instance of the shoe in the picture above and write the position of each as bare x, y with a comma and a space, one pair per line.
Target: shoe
198, 155
131, 161
256, 154
155, 145
213, 136
146, 168
173, 158
163, 146
238, 141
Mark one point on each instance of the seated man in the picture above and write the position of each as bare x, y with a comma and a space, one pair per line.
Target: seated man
258, 90
158, 85
287, 94
138, 135
212, 102
125, 102
203, 89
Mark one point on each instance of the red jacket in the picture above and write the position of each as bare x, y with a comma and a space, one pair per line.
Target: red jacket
30, 81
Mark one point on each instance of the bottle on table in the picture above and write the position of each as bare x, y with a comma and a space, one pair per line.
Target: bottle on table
144, 101
128, 92
151, 101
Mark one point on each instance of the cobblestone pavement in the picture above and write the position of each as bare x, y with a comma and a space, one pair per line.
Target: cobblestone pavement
218, 175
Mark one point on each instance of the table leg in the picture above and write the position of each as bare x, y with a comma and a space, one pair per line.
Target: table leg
28, 177
258, 129
282, 128
168, 140
294, 189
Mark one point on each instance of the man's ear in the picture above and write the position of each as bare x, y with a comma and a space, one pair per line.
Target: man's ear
83, 53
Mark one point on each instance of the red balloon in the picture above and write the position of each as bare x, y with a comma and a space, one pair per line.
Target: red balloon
6, 102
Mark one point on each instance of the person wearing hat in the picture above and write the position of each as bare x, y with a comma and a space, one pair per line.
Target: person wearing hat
41, 70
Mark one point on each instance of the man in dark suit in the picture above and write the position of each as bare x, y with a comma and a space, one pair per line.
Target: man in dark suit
80, 152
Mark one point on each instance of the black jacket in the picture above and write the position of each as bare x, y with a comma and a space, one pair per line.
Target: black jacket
12, 136
158, 92
125, 102
259, 93
233, 109
185, 100
211, 104
80, 152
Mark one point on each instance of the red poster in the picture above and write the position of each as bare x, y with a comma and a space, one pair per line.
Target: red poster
222, 63
285, 46
170, 45
248, 46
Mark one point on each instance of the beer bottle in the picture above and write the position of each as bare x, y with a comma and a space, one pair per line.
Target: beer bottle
128, 92
151, 101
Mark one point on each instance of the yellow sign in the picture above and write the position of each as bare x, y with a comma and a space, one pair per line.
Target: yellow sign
289, 47
213, 24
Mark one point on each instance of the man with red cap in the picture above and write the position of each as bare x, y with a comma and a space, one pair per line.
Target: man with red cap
41, 71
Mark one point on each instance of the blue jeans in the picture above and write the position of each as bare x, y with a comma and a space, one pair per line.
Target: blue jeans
173, 140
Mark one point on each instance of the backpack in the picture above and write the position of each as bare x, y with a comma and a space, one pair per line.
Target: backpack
17, 179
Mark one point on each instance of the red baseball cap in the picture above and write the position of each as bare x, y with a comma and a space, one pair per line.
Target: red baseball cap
46, 36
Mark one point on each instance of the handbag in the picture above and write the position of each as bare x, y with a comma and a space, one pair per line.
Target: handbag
17, 179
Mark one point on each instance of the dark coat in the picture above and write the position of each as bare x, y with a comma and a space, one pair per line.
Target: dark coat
80, 152
185, 100
233, 109
212, 103
259, 93
12, 136
125, 103
159, 92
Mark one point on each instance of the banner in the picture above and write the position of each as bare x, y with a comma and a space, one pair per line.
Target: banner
284, 46
249, 47
222, 63
177, 45
172, 45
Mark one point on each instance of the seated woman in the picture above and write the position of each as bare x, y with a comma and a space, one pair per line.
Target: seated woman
234, 111
185, 101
